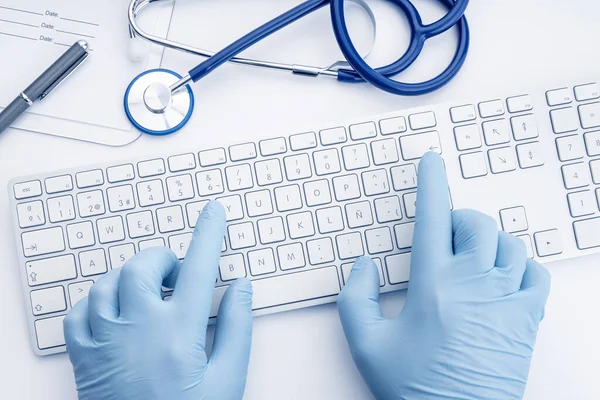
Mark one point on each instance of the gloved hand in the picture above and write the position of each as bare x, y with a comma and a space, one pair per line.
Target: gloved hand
125, 342
472, 311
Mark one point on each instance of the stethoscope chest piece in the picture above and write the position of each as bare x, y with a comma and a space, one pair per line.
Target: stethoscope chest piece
152, 108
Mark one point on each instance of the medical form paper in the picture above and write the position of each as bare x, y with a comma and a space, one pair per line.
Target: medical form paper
34, 33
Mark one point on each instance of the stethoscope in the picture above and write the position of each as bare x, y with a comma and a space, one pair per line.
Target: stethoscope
160, 101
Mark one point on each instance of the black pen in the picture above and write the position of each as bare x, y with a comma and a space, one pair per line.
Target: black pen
42, 86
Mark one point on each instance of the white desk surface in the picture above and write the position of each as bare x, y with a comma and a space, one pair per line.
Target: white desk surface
303, 354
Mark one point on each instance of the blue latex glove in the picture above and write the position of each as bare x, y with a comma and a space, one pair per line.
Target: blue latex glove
125, 342
471, 315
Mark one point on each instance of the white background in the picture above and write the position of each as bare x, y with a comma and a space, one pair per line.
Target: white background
302, 354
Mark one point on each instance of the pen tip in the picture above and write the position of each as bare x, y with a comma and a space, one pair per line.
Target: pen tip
83, 44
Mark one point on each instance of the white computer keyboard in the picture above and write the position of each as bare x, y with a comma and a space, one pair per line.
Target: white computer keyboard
301, 208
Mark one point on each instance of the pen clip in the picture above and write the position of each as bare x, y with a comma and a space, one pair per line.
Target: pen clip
65, 75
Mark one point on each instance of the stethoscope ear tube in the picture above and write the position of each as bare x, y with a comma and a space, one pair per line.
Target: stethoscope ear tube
380, 77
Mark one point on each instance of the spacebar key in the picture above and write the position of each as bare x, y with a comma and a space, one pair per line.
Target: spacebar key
296, 287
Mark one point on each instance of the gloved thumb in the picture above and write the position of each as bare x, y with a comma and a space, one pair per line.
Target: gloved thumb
233, 333
358, 303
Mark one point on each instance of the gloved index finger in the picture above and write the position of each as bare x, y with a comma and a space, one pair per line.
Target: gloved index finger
433, 221
198, 274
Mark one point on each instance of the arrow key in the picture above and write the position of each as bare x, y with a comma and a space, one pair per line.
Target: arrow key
514, 219
548, 243
502, 160
79, 290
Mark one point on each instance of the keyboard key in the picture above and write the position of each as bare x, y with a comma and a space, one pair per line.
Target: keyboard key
61, 209
242, 152
45, 241
180, 187
239, 177
492, 108
346, 187
559, 97
398, 268
303, 141
210, 158
160, 242
93, 262
48, 301
119, 255
586, 233
502, 160
297, 167
288, 198
463, 113
259, 203
569, 148
193, 212
27, 190
50, 270
404, 177
291, 256
350, 246
268, 172
333, 136
363, 131
388, 209
150, 168
347, 270
548, 243
527, 240
595, 168
261, 262
519, 104
241, 236
300, 225
359, 214
564, 120
273, 147
385, 152
379, 240
320, 251
330, 220
110, 230
496, 132
210, 182
590, 91
79, 291
530, 155
524, 127
415, 146
233, 207
120, 198
140, 224
590, 115
31, 214
375, 182
81, 235
410, 204
467, 137
392, 125
183, 162
121, 173
49, 332
91, 203
170, 219
327, 162
592, 143
473, 165
296, 287
151, 193
59, 184
89, 179
404, 235
179, 244
232, 267
514, 220
271, 230
422, 121
582, 203
576, 175
317, 193
356, 157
